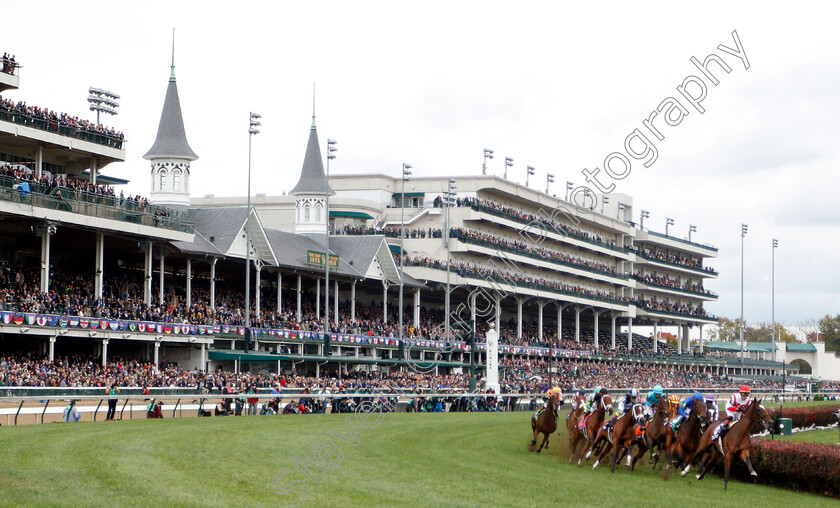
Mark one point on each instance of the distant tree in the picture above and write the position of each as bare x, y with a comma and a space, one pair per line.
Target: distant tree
829, 327
727, 330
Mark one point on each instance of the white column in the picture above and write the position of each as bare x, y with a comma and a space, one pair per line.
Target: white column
686, 339
472, 308
492, 360
45, 260
52, 349
596, 314
93, 170
629, 334
279, 293
299, 290
162, 267
189, 283
157, 355
100, 265
213, 283
317, 298
613, 330
384, 302
204, 357
258, 268
578, 310
353, 300
416, 309
335, 299
559, 322
519, 302
147, 291
679, 339
104, 352
655, 336
540, 305
700, 329
39, 161
498, 313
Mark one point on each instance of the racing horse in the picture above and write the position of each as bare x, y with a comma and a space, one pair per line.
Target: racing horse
545, 422
736, 442
682, 447
590, 428
578, 405
622, 437
657, 428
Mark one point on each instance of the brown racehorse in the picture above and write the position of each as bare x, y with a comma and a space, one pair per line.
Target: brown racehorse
736, 442
623, 437
578, 405
590, 430
545, 423
657, 428
682, 448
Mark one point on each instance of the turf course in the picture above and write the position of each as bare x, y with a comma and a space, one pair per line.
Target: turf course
456, 459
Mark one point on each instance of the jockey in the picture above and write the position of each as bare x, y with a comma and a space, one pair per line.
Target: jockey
578, 399
595, 399
711, 407
737, 403
548, 394
734, 408
685, 408
625, 404
652, 400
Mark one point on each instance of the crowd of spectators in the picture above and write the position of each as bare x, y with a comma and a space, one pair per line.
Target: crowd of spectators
54, 121
472, 236
672, 258
9, 63
474, 271
673, 307
661, 280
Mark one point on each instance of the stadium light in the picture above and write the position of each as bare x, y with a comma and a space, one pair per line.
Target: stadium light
102, 101
406, 172
741, 324
604, 200
488, 154
668, 222
691, 229
331, 149
621, 208
252, 131
773, 297
569, 187
449, 195
530, 172
644, 215
549, 179
508, 164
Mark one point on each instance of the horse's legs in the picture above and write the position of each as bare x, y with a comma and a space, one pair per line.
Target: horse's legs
727, 461
745, 456
601, 454
707, 462
639, 455
536, 435
544, 442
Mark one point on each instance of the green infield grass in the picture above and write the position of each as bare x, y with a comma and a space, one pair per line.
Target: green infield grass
454, 459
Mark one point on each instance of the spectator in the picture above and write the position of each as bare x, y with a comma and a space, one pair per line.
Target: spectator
112, 403
71, 414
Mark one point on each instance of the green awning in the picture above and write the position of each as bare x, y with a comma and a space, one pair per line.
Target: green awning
229, 355
801, 347
350, 215
395, 249
752, 347
107, 180
409, 194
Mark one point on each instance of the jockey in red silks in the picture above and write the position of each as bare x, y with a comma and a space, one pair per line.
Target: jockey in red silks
737, 403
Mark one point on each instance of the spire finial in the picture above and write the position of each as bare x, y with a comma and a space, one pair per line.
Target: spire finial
172, 69
313, 105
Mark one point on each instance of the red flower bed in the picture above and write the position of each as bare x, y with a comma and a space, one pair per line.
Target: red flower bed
803, 417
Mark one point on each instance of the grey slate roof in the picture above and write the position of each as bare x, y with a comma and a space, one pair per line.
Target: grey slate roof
313, 180
199, 245
223, 224
291, 248
171, 141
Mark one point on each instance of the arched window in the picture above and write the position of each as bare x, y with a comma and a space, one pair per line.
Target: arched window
318, 208
176, 182
306, 212
162, 182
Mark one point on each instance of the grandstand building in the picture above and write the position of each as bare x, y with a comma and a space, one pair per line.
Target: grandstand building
167, 275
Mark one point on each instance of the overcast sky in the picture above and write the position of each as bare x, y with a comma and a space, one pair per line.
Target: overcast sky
553, 85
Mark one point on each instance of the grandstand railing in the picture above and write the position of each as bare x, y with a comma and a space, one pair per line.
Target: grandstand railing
670, 313
95, 205
559, 230
62, 129
705, 292
683, 240
534, 255
698, 269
